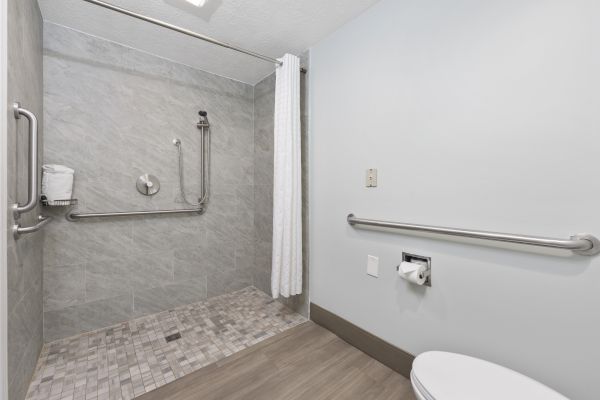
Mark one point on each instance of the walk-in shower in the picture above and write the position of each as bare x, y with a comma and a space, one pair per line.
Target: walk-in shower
165, 229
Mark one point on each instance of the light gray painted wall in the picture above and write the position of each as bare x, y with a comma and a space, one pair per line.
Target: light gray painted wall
24, 266
264, 106
479, 115
111, 113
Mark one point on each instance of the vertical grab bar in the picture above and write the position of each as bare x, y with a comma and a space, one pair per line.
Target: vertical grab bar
32, 193
32, 196
205, 150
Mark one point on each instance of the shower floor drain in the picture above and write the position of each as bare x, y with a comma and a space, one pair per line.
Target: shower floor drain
173, 337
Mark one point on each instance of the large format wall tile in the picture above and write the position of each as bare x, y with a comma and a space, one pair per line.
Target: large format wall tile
24, 263
111, 114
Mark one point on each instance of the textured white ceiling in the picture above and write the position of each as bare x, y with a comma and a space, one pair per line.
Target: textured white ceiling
270, 27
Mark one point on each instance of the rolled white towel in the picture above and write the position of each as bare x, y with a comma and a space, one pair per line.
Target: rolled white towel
57, 182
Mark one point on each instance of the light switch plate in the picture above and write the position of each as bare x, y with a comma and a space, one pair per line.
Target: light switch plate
373, 266
371, 177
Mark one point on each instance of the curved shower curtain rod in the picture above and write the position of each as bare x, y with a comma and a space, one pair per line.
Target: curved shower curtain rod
186, 32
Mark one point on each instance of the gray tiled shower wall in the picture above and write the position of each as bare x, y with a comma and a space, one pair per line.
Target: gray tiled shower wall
24, 264
111, 113
264, 104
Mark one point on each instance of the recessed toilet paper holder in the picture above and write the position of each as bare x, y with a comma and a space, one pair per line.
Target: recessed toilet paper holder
414, 258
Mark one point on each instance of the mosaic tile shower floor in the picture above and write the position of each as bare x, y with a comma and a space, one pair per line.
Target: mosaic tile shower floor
126, 360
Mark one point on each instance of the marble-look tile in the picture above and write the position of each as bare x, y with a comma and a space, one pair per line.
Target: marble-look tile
225, 280
61, 323
23, 372
15, 281
24, 261
192, 264
262, 280
165, 297
106, 279
64, 286
68, 243
245, 256
168, 233
263, 212
80, 47
150, 269
99, 314
233, 170
262, 256
87, 317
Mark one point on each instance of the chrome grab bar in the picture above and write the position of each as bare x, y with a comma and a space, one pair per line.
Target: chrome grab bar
74, 216
18, 230
583, 244
32, 192
32, 196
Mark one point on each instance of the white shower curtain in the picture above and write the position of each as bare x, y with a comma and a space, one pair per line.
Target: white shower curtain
286, 275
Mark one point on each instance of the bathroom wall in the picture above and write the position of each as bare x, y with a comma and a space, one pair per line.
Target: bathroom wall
24, 266
480, 115
111, 114
264, 106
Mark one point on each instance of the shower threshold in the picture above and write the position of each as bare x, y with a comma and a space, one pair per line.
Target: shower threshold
126, 360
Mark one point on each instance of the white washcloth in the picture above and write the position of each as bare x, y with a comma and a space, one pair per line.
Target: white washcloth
57, 182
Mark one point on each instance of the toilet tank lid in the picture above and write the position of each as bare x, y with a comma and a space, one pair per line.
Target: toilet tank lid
451, 376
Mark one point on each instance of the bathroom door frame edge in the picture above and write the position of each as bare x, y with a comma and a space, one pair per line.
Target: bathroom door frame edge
4, 201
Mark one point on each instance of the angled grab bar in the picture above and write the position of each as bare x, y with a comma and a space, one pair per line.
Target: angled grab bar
583, 244
18, 230
32, 194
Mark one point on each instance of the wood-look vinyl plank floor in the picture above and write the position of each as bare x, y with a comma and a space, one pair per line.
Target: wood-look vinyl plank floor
304, 363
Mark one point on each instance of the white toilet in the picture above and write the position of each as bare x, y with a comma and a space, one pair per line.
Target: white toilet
438, 375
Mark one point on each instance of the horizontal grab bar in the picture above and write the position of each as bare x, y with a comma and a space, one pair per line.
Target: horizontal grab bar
582, 244
18, 230
73, 216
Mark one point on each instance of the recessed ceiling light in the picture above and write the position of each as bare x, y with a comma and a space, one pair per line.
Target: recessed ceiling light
197, 3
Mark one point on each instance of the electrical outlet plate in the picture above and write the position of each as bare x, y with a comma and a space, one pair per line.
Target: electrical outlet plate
371, 177
373, 266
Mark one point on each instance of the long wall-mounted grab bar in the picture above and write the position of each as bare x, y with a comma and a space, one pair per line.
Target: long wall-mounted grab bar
582, 244
74, 216
32, 194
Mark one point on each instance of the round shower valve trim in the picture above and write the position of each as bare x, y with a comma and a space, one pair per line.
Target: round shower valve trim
148, 185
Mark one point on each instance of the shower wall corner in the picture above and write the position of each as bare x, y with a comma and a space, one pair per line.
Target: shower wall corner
24, 256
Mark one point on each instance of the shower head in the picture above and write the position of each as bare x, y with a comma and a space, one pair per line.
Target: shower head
203, 123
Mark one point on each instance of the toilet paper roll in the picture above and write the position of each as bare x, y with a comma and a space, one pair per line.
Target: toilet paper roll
413, 273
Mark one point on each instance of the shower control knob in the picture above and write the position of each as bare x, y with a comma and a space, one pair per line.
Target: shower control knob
148, 185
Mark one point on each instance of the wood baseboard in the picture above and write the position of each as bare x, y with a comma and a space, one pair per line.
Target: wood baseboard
384, 352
